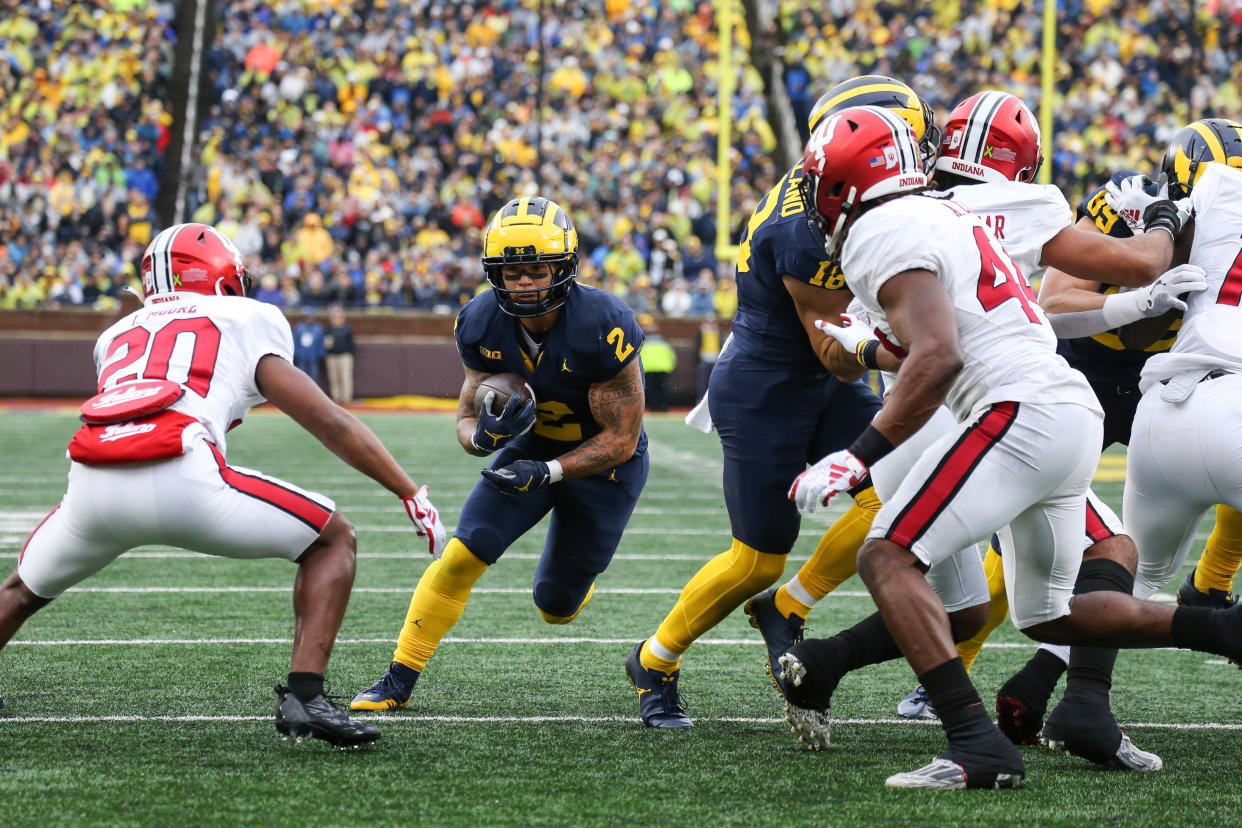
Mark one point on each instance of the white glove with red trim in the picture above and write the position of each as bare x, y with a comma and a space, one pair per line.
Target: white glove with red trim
851, 333
426, 520
836, 473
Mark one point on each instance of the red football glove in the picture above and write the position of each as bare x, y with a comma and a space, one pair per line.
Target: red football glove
426, 519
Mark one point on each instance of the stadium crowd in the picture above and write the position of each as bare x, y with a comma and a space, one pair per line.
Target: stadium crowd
354, 149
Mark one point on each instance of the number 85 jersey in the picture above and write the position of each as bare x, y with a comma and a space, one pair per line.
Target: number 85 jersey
1008, 348
210, 345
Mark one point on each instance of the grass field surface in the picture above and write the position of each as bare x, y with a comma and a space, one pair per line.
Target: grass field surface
144, 697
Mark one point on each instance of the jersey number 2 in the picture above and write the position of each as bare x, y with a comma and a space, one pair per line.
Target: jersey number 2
617, 337
1011, 284
203, 339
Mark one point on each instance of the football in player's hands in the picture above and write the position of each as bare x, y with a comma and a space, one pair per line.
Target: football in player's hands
502, 386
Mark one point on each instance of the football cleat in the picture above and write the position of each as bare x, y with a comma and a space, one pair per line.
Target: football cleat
659, 703
916, 705
391, 692
321, 719
811, 726
779, 633
946, 775
1083, 725
1188, 595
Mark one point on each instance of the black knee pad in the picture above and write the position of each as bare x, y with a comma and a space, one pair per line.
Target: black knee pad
1103, 575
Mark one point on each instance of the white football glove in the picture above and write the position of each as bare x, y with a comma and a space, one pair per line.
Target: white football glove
851, 335
832, 475
1155, 299
426, 520
1130, 198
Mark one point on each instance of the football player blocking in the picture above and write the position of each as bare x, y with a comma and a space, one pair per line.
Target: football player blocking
577, 450
776, 408
980, 345
176, 375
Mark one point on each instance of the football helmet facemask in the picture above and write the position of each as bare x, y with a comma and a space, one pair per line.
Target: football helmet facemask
889, 93
1209, 140
531, 230
193, 258
855, 156
991, 136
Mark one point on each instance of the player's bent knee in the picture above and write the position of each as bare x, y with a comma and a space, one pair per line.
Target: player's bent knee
559, 606
1118, 548
16, 593
337, 538
878, 556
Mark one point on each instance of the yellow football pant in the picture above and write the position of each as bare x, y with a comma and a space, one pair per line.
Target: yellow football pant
438, 602
1222, 554
716, 590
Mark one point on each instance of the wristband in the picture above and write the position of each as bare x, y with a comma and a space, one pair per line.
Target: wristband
866, 354
555, 472
870, 446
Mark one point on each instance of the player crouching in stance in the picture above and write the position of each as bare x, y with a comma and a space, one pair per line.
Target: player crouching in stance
943, 293
174, 377
582, 455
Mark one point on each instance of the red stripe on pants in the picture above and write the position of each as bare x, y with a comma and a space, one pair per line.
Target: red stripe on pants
1097, 530
951, 474
29, 537
300, 506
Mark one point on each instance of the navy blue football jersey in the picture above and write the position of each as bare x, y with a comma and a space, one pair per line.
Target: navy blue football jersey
594, 337
1102, 357
778, 242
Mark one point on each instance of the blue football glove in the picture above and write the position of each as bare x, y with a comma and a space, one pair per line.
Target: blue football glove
524, 475
494, 431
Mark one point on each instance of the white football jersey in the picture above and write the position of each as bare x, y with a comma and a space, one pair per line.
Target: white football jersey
1023, 217
210, 345
1007, 345
1211, 332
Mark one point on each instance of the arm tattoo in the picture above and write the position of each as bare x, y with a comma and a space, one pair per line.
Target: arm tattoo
467, 415
617, 405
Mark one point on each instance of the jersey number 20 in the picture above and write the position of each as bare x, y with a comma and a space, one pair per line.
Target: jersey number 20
197, 335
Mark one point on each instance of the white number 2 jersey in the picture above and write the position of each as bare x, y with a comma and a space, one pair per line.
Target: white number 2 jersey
1211, 334
1008, 348
210, 345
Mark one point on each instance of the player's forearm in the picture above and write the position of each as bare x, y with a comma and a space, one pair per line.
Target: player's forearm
352, 441
600, 453
841, 363
922, 385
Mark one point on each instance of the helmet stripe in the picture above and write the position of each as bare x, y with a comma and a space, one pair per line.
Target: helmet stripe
161, 260
979, 124
898, 126
867, 85
1211, 141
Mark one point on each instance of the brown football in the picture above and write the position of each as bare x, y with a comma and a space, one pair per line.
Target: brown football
505, 386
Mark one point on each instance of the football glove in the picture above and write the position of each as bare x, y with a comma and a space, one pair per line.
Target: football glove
1132, 196
1170, 216
494, 431
852, 334
1161, 296
836, 473
524, 475
426, 520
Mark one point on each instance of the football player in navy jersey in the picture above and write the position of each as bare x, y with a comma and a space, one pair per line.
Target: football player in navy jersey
580, 454
776, 409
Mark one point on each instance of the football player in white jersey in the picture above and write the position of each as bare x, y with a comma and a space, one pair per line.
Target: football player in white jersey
1187, 437
988, 158
148, 466
947, 297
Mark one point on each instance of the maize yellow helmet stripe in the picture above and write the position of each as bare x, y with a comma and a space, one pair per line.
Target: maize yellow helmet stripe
900, 88
1210, 140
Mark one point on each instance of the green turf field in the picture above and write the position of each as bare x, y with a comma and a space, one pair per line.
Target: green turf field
145, 696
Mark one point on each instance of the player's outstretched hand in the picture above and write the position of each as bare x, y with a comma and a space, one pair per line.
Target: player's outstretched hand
851, 334
1132, 196
523, 476
426, 520
836, 473
495, 430
1164, 294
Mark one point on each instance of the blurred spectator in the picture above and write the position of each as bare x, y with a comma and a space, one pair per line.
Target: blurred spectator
709, 352
308, 344
659, 359
702, 297
676, 300
339, 342
269, 290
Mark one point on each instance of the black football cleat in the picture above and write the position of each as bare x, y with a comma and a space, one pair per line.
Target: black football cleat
659, 702
321, 719
780, 633
1083, 725
1188, 595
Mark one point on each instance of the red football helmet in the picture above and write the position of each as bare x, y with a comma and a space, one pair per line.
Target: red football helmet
991, 136
854, 156
193, 258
